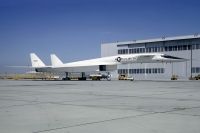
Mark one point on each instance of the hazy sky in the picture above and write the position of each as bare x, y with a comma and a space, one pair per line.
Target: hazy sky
74, 29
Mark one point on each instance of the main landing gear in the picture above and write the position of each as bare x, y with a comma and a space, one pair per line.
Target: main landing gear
83, 77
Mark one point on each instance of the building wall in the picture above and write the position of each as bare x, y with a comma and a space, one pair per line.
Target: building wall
108, 50
157, 71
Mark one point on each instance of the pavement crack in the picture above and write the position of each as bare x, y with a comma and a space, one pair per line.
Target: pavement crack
94, 122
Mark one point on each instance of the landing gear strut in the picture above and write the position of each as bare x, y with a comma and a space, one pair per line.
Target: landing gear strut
67, 76
108, 76
83, 77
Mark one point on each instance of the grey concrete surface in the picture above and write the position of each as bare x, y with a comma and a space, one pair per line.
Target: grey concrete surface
99, 107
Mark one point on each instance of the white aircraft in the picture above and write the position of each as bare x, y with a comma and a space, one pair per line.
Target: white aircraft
105, 64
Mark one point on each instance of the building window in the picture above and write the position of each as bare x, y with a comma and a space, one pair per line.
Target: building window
162, 70
184, 47
123, 51
159, 70
119, 71
175, 46
142, 71
166, 48
189, 47
197, 46
195, 69
148, 50
170, 48
155, 70
180, 47
142, 50
149, 70
130, 51
122, 71
119, 51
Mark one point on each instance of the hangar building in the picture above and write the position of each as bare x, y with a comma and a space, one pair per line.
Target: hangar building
187, 47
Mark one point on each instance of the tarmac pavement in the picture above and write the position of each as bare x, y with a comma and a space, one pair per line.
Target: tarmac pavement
99, 106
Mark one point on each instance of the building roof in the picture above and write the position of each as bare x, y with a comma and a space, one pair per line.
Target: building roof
156, 40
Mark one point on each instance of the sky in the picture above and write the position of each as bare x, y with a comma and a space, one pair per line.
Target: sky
75, 29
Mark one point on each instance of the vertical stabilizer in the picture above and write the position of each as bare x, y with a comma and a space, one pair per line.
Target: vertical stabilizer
55, 61
36, 61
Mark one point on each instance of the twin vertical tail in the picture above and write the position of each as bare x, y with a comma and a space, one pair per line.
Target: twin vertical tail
36, 61
55, 61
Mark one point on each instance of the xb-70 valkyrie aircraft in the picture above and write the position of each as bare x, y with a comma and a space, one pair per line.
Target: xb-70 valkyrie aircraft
104, 64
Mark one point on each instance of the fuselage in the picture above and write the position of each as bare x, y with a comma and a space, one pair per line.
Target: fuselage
124, 59
110, 63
